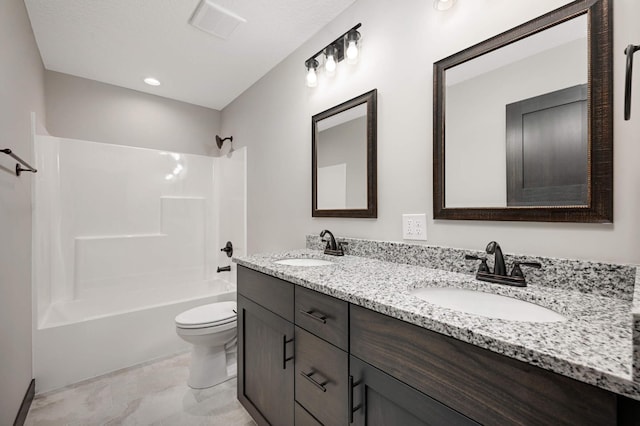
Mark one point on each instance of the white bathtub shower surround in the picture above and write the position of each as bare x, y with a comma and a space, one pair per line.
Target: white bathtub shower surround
124, 239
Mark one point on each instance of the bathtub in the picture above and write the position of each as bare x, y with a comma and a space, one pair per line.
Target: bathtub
81, 339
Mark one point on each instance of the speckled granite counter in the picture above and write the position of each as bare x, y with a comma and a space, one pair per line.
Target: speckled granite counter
594, 345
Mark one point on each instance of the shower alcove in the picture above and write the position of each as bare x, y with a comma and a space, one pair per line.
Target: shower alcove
124, 239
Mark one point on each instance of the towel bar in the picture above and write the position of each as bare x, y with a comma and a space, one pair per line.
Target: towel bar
19, 169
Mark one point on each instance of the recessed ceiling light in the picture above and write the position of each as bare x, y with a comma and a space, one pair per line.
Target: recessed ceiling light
152, 81
443, 4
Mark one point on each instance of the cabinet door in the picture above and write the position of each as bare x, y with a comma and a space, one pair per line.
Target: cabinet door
265, 364
377, 399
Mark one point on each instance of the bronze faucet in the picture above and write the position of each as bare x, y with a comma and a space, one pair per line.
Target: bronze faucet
333, 248
499, 274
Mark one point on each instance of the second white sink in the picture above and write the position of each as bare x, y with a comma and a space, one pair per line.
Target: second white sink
487, 304
304, 262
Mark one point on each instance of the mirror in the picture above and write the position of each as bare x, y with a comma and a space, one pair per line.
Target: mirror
523, 122
344, 159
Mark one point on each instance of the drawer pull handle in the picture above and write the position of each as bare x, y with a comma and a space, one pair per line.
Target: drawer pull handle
284, 351
352, 409
313, 381
320, 318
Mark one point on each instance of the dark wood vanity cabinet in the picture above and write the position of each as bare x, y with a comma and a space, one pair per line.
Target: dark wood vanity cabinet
306, 358
489, 388
279, 363
265, 348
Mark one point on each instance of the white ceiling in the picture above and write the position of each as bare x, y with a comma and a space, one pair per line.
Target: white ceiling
122, 41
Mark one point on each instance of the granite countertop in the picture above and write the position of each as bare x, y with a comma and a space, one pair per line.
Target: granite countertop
594, 344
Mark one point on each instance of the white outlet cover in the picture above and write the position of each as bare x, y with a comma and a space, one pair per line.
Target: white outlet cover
414, 226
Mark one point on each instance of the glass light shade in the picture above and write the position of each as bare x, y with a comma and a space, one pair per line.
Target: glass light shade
330, 65
352, 52
312, 78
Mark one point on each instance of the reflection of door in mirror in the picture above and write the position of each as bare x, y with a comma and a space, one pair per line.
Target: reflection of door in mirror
477, 94
547, 149
342, 160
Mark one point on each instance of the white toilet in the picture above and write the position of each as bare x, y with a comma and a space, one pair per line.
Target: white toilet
211, 329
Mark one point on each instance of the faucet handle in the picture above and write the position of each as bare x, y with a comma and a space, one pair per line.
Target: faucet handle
517, 271
483, 262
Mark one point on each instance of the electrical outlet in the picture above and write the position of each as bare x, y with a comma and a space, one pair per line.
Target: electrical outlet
414, 226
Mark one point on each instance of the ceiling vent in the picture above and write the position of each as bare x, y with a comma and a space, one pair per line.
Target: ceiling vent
214, 19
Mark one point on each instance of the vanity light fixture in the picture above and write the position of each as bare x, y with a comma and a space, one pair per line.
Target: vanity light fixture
346, 46
441, 5
152, 81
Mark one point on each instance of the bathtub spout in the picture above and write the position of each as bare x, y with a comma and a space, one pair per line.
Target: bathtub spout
224, 269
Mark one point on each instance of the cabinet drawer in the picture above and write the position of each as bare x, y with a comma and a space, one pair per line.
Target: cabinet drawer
273, 293
487, 387
303, 418
321, 378
322, 315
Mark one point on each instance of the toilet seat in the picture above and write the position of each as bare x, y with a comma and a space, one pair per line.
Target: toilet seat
211, 315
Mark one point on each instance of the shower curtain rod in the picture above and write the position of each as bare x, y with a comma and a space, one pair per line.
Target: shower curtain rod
19, 169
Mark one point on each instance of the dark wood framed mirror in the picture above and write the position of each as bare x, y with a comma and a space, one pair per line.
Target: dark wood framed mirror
344, 159
523, 123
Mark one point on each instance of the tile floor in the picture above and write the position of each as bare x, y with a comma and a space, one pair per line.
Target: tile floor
154, 393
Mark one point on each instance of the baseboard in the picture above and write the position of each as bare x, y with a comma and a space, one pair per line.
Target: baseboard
26, 404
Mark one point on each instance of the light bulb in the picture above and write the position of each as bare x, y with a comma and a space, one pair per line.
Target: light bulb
352, 46
352, 52
312, 78
330, 65
152, 81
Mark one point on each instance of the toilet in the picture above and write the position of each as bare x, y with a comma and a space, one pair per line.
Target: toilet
211, 329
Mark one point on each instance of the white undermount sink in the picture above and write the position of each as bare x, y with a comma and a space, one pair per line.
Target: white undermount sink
487, 304
304, 262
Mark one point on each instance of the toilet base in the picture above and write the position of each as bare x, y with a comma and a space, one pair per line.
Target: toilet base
208, 367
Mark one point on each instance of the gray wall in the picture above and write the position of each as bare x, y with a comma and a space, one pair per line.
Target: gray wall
399, 47
79, 108
21, 91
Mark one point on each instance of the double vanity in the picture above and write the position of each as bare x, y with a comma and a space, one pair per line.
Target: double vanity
385, 336
400, 334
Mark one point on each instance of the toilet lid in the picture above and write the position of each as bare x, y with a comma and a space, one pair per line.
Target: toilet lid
207, 315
